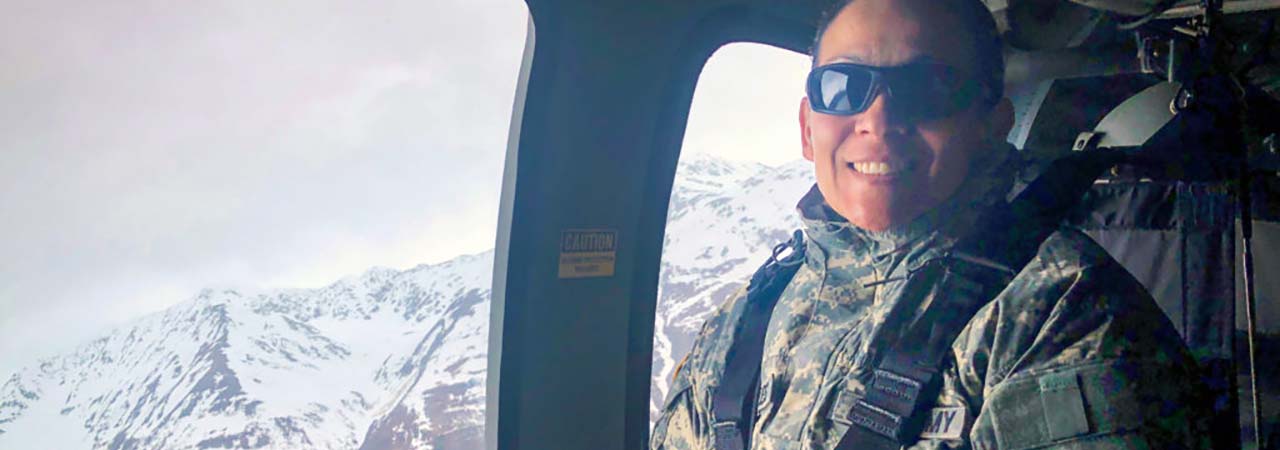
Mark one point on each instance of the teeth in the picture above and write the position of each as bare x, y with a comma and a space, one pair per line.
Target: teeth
875, 168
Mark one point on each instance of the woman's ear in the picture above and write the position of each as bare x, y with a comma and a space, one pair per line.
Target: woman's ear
806, 133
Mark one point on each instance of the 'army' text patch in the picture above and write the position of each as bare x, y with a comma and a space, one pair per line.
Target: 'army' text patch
945, 423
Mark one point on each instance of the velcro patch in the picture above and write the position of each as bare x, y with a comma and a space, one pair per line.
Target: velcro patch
945, 423
1063, 406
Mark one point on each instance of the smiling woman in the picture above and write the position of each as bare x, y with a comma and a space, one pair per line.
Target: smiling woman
150, 152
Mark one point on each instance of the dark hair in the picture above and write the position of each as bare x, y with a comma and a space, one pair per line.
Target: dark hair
974, 16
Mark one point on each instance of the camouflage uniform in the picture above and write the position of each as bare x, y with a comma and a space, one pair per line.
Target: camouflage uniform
1074, 354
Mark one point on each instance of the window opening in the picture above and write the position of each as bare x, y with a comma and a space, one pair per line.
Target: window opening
245, 224
739, 177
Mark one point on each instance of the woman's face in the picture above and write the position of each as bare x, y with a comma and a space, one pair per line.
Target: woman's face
879, 171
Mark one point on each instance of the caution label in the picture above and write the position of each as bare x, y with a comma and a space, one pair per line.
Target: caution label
588, 253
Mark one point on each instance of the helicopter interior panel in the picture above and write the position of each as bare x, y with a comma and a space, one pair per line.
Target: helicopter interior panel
595, 139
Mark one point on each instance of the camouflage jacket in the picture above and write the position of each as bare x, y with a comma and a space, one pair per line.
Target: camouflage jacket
1073, 354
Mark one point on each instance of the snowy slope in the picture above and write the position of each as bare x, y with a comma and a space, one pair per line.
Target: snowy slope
722, 221
336, 367
386, 359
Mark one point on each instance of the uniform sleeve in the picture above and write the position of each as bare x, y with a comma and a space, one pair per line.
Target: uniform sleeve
680, 427
1078, 356
685, 420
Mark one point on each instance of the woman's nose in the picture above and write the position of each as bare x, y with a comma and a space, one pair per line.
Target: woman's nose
877, 120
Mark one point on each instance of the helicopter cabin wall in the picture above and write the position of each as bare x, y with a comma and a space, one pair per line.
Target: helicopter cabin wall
606, 96
605, 102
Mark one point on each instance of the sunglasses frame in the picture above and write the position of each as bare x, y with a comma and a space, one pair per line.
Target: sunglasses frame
880, 84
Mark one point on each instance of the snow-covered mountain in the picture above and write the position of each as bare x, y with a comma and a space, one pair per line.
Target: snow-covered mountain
722, 222
384, 360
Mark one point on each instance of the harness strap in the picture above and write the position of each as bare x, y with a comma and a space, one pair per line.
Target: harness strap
733, 402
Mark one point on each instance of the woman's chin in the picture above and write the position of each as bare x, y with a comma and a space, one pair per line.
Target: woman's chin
877, 218
870, 219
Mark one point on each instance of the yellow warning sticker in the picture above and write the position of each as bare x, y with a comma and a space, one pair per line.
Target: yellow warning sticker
588, 253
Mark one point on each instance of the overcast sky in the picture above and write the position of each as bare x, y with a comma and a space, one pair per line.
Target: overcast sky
152, 148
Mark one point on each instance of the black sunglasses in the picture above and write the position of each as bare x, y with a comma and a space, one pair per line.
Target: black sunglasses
920, 91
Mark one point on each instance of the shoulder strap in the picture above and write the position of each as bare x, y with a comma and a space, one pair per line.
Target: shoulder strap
732, 403
950, 290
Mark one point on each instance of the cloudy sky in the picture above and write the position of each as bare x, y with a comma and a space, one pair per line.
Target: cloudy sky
151, 148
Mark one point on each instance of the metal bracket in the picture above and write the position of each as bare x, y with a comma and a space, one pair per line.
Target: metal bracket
1087, 140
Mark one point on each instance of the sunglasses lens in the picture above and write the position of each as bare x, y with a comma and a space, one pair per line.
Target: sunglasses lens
840, 90
920, 92
928, 92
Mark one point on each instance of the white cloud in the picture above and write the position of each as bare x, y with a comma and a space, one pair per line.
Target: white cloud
746, 104
149, 149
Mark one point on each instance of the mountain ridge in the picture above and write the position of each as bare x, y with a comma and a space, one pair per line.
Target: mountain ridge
382, 359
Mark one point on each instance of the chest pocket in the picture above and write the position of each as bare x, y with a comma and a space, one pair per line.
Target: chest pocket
1097, 406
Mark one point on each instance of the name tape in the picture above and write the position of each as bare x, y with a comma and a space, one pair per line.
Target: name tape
945, 423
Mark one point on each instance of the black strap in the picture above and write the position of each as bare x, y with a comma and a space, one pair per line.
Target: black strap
948, 291
733, 402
